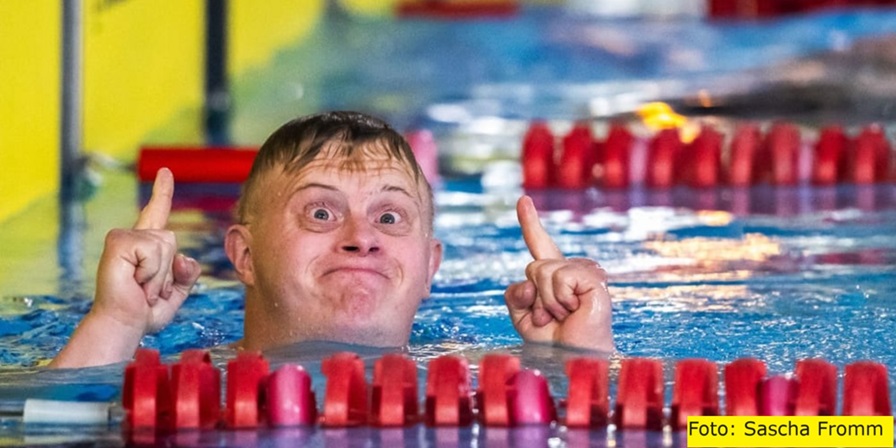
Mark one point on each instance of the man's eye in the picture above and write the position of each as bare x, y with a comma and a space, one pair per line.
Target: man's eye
388, 218
321, 214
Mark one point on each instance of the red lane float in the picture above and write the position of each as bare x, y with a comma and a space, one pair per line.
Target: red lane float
588, 397
639, 401
869, 160
289, 399
665, 150
394, 396
507, 395
866, 389
742, 381
830, 150
345, 403
817, 388
776, 396
196, 387
538, 156
701, 162
246, 375
146, 393
616, 157
779, 160
778, 156
743, 154
577, 158
530, 399
695, 393
492, 398
448, 392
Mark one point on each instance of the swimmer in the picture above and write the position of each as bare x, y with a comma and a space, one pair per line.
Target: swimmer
333, 242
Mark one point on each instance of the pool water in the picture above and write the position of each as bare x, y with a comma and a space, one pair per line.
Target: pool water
776, 273
780, 274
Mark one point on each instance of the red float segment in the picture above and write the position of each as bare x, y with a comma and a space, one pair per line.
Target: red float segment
530, 399
588, 398
866, 389
448, 392
696, 391
777, 395
197, 164
639, 401
146, 393
869, 160
830, 154
779, 161
289, 399
196, 389
616, 157
743, 154
345, 401
817, 388
495, 372
246, 375
702, 161
537, 156
742, 379
577, 158
393, 399
662, 161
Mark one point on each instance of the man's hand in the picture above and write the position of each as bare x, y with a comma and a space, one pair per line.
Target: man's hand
562, 301
141, 283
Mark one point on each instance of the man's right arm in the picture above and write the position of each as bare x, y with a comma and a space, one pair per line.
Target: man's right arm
141, 283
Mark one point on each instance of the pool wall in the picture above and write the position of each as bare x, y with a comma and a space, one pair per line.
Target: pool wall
143, 74
143, 82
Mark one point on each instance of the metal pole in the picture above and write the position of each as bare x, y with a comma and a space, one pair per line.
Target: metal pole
71, 214
217, 89
72, 96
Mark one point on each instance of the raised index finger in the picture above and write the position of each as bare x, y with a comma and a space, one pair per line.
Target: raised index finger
155, 214
540, 244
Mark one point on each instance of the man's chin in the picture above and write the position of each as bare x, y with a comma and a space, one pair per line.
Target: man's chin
371, 333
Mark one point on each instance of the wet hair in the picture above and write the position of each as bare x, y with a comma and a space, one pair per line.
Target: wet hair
350, 135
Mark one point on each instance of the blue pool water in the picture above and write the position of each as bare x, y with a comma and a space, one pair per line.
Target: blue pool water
777, 273
780, 274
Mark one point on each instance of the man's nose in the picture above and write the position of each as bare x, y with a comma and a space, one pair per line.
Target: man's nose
359, 236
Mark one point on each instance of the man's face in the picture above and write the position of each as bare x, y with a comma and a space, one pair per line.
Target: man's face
339, 251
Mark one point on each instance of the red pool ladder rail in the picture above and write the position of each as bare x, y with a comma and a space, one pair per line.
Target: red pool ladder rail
186, 395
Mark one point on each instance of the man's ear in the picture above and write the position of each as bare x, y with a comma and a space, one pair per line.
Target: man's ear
236, 244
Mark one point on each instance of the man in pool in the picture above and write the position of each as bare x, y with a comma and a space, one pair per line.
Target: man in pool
334, 242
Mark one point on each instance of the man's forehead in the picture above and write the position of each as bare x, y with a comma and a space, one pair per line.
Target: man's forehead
366, 168
375, 174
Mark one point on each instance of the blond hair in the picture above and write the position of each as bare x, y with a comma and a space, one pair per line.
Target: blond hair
350, 135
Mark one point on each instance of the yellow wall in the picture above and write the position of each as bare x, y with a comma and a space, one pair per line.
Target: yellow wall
143, 76
144, 62
30, 62
258, 29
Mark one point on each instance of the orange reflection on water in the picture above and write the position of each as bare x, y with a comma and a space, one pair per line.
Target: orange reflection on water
753, 247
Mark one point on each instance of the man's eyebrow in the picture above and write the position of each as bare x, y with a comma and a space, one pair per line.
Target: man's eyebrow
397, 188
386, 188
315, 185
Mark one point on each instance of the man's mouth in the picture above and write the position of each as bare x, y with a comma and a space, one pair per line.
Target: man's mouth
355, 270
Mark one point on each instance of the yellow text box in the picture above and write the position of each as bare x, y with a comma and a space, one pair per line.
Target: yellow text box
824, 431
